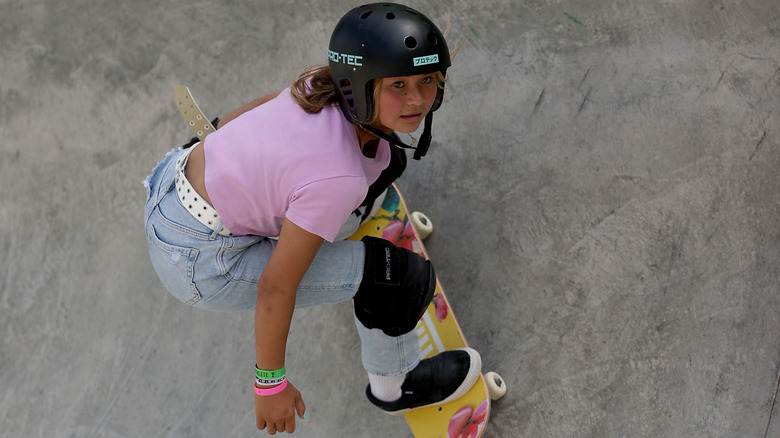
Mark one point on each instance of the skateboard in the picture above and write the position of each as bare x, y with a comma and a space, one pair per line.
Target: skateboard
438, 330
191, 112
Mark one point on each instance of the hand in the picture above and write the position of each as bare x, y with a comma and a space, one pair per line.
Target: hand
277, 412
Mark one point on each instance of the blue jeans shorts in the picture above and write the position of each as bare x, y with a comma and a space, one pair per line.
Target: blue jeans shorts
213, 272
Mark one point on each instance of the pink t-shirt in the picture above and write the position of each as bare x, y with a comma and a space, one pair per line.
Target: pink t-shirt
276, 161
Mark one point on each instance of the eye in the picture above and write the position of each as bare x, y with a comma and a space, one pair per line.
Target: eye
398, 84
427, 80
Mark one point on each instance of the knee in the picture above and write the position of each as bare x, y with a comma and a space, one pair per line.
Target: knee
396, 288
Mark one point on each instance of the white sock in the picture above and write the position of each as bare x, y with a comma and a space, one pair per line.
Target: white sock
386, 388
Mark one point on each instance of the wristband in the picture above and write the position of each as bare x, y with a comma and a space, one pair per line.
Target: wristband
269, 382
271, 391
264, 374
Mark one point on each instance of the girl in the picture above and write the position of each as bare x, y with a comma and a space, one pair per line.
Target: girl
253, 216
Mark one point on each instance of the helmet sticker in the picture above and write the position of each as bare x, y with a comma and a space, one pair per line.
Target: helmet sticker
344, 58
425, 60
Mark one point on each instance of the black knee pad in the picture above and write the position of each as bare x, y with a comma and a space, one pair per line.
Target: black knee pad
396, 289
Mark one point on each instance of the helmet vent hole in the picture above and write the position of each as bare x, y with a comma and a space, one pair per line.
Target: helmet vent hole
365, 15
390, 16
432, 39
410, 42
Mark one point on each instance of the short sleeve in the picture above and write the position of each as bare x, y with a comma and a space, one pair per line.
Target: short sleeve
323, 207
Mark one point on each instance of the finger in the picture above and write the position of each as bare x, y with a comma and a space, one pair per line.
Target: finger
261, 424
300, 406
290, 425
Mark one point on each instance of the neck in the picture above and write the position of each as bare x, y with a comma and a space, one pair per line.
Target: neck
368, 142
363, 135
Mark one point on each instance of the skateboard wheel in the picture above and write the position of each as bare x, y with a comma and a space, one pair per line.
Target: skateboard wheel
422, 224
496, 385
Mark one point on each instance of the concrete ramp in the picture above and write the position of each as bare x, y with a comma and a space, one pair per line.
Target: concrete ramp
603, 181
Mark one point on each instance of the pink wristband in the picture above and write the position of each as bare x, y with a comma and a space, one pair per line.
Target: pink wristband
271, 391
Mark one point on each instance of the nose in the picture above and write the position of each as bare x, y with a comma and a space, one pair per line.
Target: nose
414, 95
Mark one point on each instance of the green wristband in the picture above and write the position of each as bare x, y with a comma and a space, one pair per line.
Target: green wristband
264, 374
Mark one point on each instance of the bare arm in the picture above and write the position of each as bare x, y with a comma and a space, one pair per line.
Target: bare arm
246, 107
275, 304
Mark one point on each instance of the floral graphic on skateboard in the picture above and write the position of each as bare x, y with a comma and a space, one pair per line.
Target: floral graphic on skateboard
441, 306
400, 230
468, 422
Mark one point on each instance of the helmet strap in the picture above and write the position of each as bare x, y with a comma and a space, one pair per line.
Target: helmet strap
425, 140
422, 147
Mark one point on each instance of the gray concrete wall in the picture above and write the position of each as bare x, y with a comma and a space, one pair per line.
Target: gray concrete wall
603, 181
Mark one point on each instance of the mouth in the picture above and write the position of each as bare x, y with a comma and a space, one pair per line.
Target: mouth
412, 117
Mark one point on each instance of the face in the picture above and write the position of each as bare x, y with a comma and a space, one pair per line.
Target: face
404, 101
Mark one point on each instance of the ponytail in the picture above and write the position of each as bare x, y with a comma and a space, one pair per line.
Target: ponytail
314, 90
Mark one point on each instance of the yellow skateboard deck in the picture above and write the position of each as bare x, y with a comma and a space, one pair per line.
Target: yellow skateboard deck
438, 330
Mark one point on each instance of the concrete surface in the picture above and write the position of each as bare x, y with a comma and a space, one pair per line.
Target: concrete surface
603, 181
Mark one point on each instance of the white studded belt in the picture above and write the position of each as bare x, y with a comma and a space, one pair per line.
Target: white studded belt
193, 202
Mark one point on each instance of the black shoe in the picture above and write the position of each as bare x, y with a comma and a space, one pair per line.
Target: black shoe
437, 380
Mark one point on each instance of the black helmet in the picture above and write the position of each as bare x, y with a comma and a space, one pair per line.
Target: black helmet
383, 40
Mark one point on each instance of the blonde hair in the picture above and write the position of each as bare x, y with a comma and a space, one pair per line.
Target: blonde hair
314, 90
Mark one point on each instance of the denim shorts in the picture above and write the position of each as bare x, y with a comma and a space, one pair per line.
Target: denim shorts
213, 272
